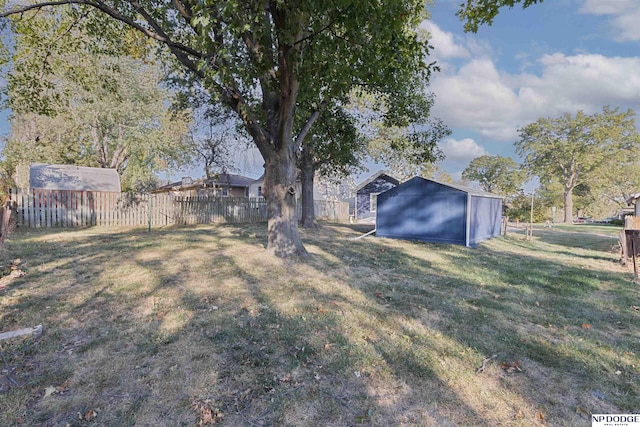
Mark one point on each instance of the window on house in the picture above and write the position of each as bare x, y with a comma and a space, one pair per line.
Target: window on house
373, 202
225, 191
260, 191
246, 192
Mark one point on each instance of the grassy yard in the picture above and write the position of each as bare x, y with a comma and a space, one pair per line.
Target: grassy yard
197, 326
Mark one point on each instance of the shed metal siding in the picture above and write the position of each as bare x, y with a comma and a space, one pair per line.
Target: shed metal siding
426, 210
485, 218
76, 178
423, 210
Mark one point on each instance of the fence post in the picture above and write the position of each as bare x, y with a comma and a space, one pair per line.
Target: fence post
6, 218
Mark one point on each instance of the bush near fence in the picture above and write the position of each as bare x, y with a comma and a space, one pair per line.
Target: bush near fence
63, 208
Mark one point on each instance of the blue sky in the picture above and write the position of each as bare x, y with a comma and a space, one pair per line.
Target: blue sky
556, 57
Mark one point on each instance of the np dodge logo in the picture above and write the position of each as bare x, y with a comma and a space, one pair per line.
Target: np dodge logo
615, 420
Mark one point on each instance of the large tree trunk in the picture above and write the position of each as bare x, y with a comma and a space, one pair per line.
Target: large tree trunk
570, 181
280, 192
307, 175
568, 204
280, 171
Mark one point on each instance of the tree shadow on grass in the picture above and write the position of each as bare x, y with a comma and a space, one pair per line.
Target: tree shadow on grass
241, 355
368, 331
523, 315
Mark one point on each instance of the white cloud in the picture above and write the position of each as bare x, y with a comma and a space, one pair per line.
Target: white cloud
480, 97
588, 81
443, 42
477, 96
461, 151
625, 15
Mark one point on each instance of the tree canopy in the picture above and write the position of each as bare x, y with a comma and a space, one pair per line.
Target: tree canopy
260, 57
478, 12
575, 150
89, 107
495, 174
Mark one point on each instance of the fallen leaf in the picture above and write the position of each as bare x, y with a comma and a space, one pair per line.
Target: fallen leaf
50, 391
540, 417
582, 411
379, 294
511, 368
519, 415
206, 414
586, 326
64, 387
285, 378
90, 415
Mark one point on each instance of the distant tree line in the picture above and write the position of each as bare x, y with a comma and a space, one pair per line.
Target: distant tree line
585, 163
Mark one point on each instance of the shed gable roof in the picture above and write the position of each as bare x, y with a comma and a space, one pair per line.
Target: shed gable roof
76, 178
380, 174
465, 189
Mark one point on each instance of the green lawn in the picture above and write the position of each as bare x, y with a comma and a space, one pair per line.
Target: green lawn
182, 326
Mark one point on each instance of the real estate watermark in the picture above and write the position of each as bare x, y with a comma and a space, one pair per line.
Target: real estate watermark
615, 420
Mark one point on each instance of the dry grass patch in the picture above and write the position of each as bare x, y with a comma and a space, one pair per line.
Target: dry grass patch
199, 326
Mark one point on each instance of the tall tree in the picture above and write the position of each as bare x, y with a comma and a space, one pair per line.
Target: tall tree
332, 149
129, 129
495, 174
406, 152
93, 109
257, 56
216, 139
574, 149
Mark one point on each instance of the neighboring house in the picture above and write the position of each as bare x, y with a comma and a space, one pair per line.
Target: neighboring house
257, 185
322, 189
222, 185
334, 191
427, 210
367, 193
72, 178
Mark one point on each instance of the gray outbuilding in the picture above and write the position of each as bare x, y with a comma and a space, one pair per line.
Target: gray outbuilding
75, 178
431, 211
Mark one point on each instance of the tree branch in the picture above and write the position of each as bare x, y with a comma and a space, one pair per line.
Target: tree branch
326, 27
184, 10
307, 126
112, 13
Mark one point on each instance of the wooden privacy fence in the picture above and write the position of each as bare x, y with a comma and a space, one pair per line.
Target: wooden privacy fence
63, 208
632, 222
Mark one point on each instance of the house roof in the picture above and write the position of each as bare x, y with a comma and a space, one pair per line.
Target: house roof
231, 180
376, 176
225, 179
69, 177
